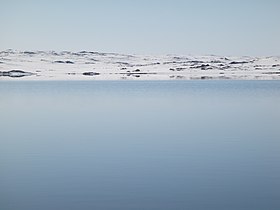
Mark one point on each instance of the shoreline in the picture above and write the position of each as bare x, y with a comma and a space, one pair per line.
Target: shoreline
43, 65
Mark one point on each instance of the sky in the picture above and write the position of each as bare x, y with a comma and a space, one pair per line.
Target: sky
221, 27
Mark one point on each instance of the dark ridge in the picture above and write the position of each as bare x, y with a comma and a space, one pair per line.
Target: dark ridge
91, 52
202, 78
89, 63
223, 67
92, 59
172, 62
238, 62
176, 77
216, 61
83, 52
180, 77
149, 64
196, 62
277, 72
128, 73
276, 65
202, 67
175, 62
15, 73
29, 52
91, 73
65, 62
180, 69
206, 77
180, 58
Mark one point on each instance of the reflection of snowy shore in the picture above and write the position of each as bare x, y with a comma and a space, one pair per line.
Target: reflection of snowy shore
42, 65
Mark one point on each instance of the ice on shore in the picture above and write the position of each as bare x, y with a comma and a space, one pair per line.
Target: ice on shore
85, 65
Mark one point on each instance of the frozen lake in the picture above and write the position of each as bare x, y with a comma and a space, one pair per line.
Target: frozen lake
127, 145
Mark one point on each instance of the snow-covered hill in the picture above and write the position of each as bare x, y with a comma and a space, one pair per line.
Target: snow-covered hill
84, 65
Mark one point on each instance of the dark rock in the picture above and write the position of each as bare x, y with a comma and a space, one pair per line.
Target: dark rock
206, 77
91, 73
66, 62
277, 72
180, 69
196, 62
15, 73
128, 73
69, 62
59, 62
83, 52
29, 52
148, 64
223, 67
202, 67
215, 61
180, 77
238, 62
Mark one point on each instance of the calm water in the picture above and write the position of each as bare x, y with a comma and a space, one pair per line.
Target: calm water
195, 145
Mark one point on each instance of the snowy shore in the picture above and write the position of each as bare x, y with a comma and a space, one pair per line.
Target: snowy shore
84, 65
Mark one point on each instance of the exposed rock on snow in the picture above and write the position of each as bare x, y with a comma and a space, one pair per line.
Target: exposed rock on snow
86, 65
15, 73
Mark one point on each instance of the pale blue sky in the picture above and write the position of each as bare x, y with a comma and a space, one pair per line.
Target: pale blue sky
236, 27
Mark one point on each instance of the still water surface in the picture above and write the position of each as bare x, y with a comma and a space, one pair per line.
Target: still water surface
140, 145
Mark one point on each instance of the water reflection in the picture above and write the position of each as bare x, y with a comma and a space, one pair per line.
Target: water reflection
140, 145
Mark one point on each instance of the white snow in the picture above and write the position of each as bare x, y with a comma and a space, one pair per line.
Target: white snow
42, 65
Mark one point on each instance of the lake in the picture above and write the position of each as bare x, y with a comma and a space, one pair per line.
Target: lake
127, 145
